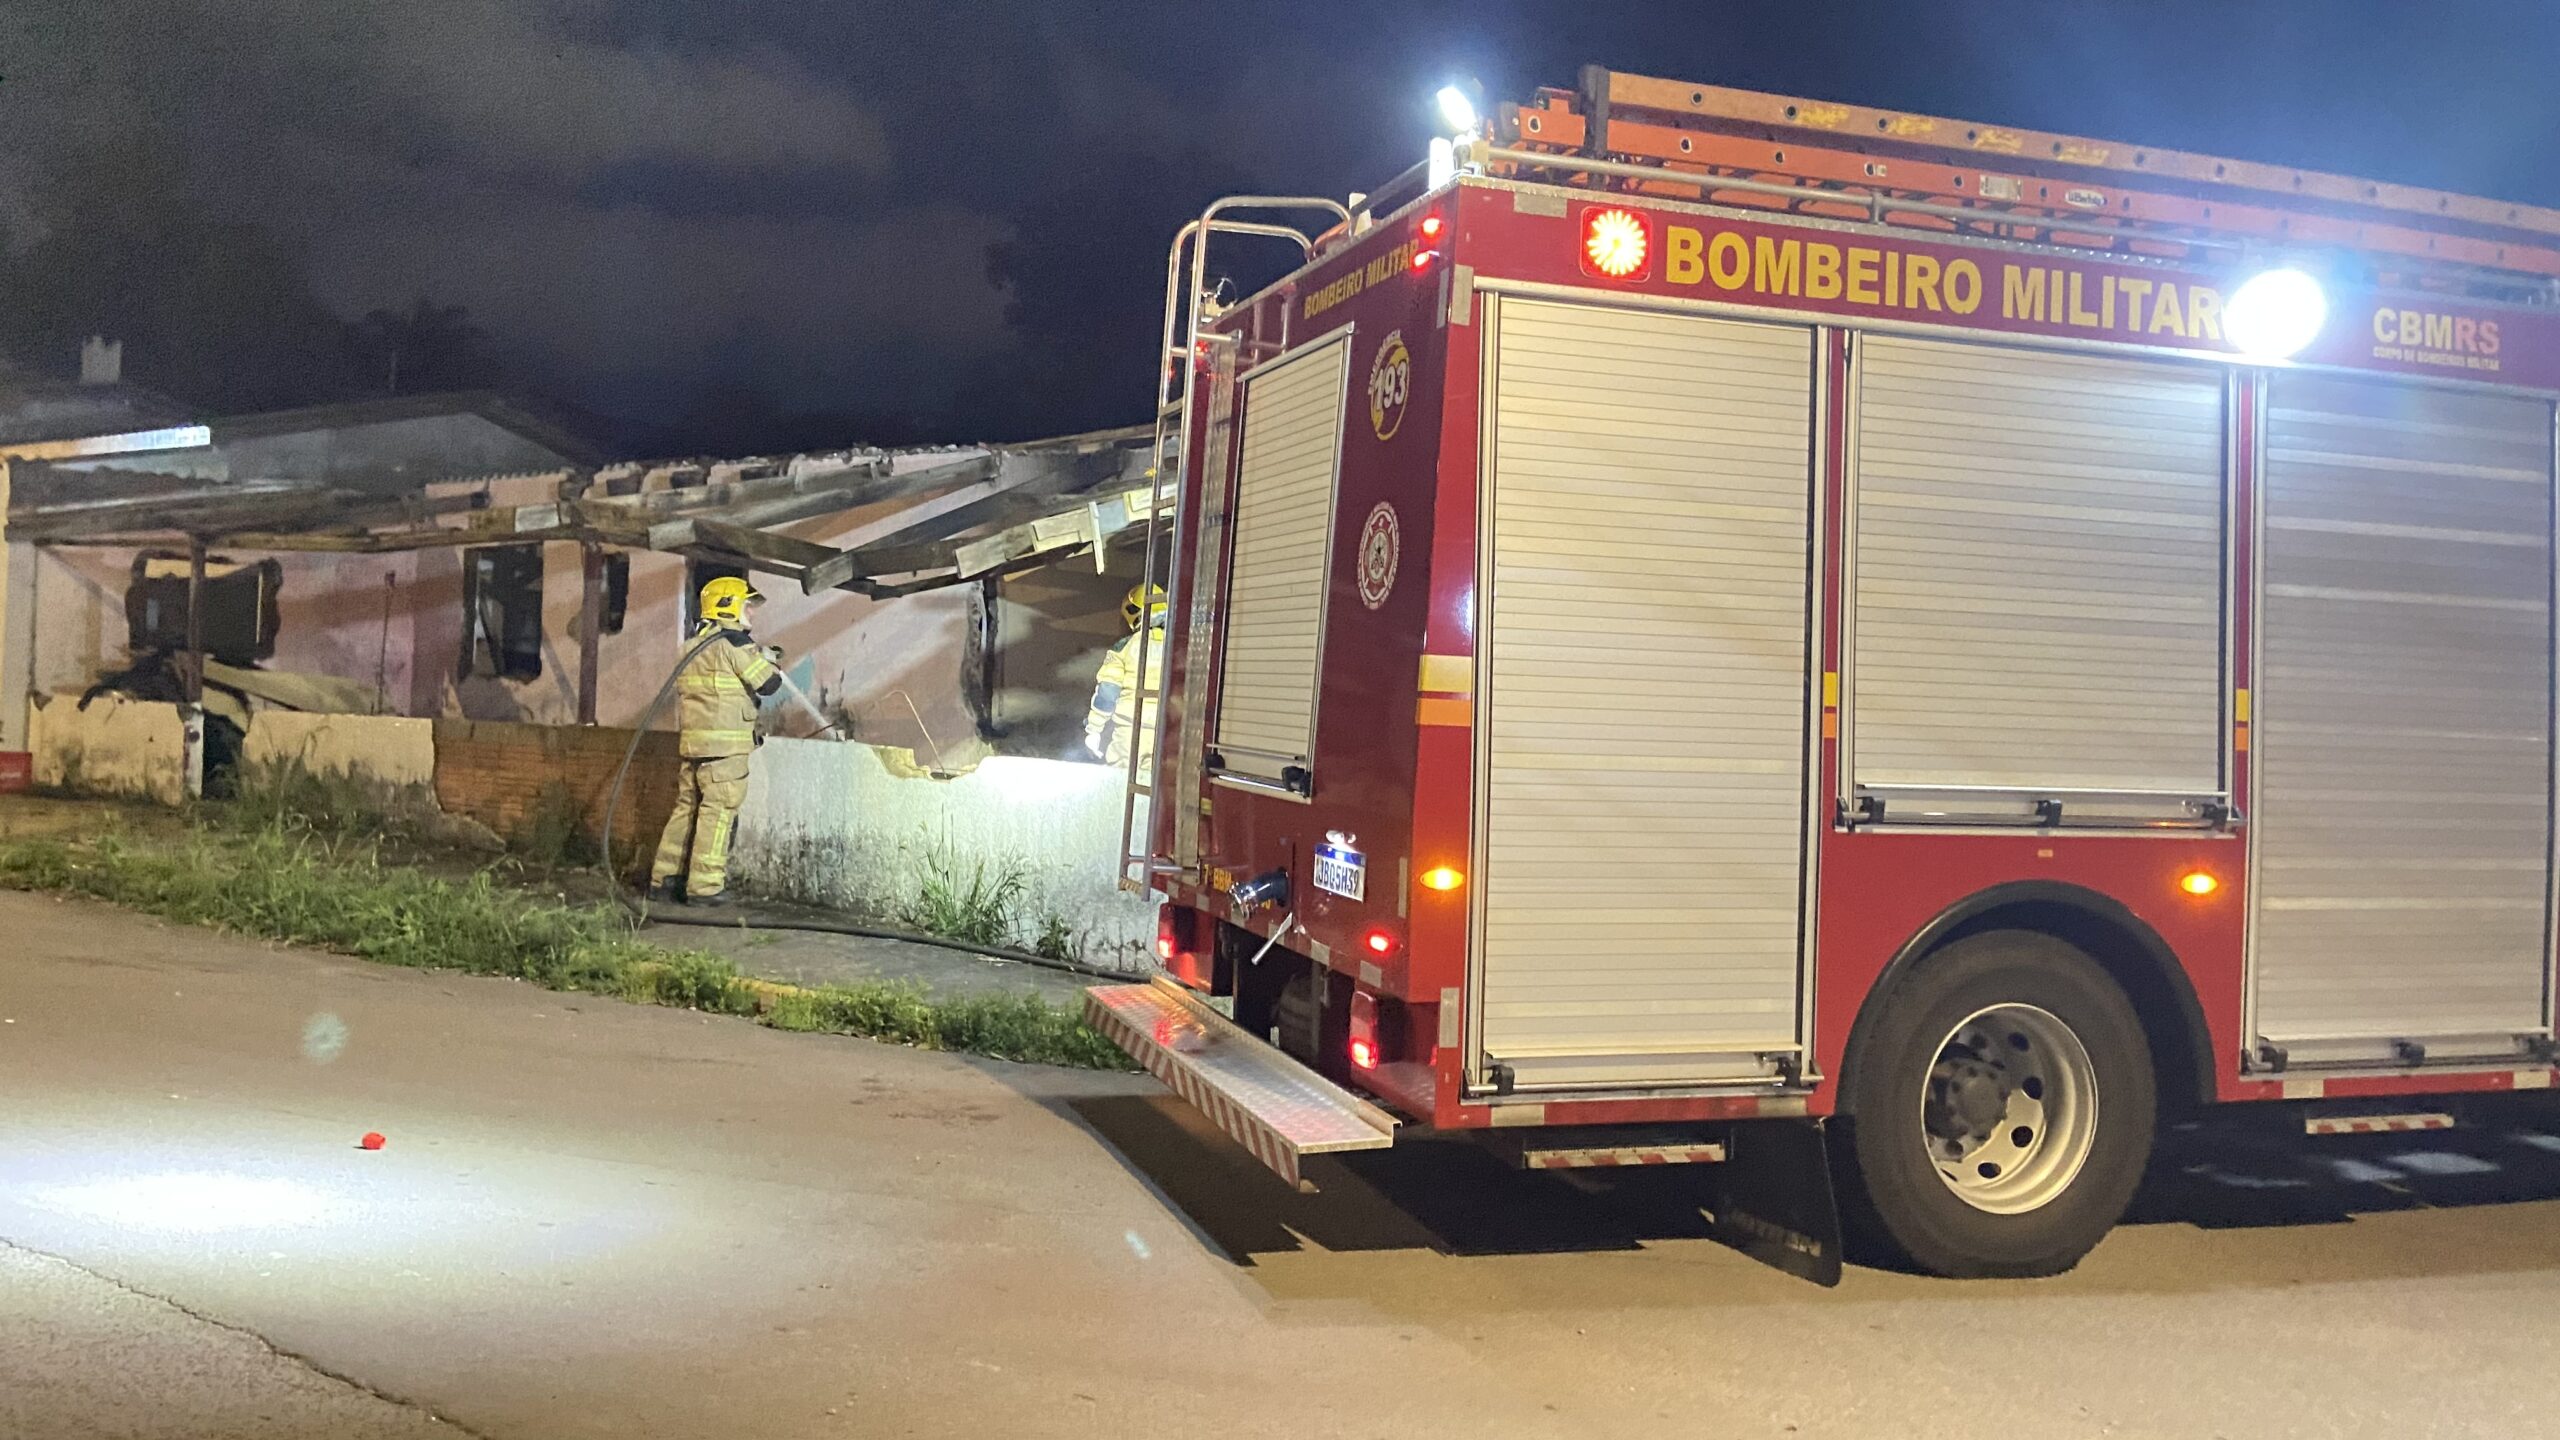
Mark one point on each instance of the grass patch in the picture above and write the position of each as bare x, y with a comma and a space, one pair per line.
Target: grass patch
970, 900
293, 799
280, 879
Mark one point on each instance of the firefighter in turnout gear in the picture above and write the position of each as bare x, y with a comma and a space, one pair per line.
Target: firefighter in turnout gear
1107, 729
718, 691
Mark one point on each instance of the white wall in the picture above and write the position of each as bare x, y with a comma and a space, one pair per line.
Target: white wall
114, 747
381, 749
837, 824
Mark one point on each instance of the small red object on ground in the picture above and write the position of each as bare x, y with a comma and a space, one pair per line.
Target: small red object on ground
373, 1140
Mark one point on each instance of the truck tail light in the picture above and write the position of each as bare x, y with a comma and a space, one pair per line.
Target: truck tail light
1424, 260
1364, 1030
1379, 941
1175, 949
1431, 227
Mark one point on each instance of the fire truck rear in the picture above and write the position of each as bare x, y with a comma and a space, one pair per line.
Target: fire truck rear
1710, 625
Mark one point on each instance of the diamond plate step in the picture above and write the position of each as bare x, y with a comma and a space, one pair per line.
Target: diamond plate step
1264, 1100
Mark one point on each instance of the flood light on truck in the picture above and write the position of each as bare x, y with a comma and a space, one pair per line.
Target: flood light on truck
2275, 314
1615, 243
1457, 109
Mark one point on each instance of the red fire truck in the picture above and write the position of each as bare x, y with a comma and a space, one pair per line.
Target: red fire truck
1706, 622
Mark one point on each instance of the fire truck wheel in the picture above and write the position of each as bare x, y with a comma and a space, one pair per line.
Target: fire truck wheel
1996, 1110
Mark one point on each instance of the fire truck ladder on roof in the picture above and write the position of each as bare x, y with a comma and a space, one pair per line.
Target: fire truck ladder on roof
1187, 310
1788, 154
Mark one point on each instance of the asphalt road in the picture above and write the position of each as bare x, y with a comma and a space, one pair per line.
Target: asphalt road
597, 1219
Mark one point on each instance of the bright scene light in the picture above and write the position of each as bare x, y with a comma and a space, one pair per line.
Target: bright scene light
192, 1202
2275, 313
1457, 109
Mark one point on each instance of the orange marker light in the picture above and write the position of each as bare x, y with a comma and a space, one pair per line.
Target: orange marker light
2198, 883
1615, 243
1441, 877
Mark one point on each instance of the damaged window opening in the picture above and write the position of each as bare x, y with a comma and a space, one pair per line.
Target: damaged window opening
617, 593
502, 612
240, 612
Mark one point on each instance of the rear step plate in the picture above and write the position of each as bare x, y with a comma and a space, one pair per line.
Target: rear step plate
2373, 1124
1629, 1146
1269, 1103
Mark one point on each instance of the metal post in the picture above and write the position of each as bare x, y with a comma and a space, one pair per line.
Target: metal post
195, 620
590, 627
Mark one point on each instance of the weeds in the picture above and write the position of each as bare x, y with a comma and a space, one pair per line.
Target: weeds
281, 880
972, 901
554, 835
1057, 939
295, 799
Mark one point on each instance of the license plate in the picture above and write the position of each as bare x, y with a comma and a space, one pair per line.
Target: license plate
1343, 871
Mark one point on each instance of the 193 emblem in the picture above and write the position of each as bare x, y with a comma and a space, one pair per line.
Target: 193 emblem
1390, 385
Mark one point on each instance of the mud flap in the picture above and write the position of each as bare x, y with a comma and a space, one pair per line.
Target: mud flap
1773, 1199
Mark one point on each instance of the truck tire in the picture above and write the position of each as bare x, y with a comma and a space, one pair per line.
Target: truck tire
1996, 1110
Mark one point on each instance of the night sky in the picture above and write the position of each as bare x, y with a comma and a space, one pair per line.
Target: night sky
761, 224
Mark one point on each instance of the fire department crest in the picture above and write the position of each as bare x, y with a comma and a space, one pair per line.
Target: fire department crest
1390, 385
1380, 544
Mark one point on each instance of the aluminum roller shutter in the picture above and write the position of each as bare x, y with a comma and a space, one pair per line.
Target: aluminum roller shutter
2039, 571
1283, 534
2401, 731
1643, 695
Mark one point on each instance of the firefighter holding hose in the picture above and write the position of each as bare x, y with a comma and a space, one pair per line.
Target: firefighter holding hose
1116, 686
719, 688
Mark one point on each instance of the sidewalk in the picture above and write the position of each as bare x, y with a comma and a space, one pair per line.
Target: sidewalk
801, 957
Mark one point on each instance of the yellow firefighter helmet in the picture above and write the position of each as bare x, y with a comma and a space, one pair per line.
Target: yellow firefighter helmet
725, 599
1147, 599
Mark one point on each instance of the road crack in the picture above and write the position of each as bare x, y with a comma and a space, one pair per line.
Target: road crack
292, 1357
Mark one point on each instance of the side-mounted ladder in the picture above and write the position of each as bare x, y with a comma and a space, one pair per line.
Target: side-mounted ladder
1185, 352
1645, 135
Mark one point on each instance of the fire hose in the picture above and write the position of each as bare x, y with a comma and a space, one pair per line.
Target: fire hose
641, 912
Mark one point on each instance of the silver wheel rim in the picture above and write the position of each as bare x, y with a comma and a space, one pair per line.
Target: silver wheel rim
2009, 1109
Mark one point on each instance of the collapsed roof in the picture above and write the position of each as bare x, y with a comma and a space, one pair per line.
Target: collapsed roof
1025, 505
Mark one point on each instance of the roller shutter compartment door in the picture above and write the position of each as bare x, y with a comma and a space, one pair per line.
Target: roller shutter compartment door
1283, 531
2039, 572
2401, 734
1643, 695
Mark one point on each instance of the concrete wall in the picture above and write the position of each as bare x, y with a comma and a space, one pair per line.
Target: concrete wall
114, 747
379, 749
855, 827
